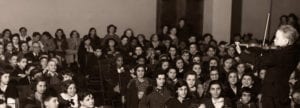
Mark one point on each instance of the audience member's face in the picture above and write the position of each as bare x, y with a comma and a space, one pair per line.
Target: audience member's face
179, 64
222, 47
214, 75
111, 30
171, 73
22, 64
262, 74
228, 63
15, 40
41, 87
13, 60
52, 103
165, 65
140, 72
9, 47
247, 81
165, 29
23, 32
36, 47
185, 56
173, 31
88, 101
52, 66
211, 52
200, 89
141, 61
128, 33
71, 91
36, 38
67, 77
241, 68
246, 97
24, 47
119, 61
59, 34
5, 78
74, 35
192, 39
207, 39
155, 38
196, 59
182, 91
215, 90
7, 34
160, 80
87, 42
213, 63
193, 48
138, 51
181, 23
197, 69
43, 62
191, 80
124, 41
172, 51
93, 32
98, 52
280, 39
232, 78
230, 51
111, 43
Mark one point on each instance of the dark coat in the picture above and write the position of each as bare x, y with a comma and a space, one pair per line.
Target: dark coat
280, 63
209, 104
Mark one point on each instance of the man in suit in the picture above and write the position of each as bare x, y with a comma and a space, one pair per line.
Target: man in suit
279, 64
34, 55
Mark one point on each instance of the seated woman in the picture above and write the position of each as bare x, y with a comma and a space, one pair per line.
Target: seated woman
137, 87
10, 92
180, 100
215, 98
35, 100
68, 98
86, 100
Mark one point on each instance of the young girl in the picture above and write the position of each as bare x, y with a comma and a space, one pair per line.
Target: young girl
137, 88
10, 92
232, 90
35, 99
68, 98
191, 79
86, 100
216, 98
50, 100
15, 39
180, 100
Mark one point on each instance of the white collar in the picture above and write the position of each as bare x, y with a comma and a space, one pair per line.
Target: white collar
219, 103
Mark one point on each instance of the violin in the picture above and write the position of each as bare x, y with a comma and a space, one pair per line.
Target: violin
255, 45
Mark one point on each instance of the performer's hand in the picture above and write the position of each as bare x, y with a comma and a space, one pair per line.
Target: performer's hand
117, 89
238, 48
123, 99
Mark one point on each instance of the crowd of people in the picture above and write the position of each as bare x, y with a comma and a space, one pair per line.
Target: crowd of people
173, 69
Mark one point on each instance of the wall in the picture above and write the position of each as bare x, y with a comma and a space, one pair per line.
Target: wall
254, 15
217, 18
41, 15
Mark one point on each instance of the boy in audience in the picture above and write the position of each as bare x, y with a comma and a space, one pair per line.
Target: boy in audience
246, 99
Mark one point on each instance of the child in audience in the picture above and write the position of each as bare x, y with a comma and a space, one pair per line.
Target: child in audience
246, 100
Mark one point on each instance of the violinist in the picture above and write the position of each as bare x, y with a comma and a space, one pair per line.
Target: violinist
279, 63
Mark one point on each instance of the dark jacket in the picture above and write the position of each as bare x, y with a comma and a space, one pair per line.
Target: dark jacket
279, 63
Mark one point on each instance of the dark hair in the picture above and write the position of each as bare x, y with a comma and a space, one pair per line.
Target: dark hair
63, 36
34, 34
139, 66
46, 33
213, 83
132, 33
83, 94
72, 33
36, 82
190, 73
152, 36
180, 84
6, 30
48, 95
65, 85
92, 28
15, 35
111, 25
22, 28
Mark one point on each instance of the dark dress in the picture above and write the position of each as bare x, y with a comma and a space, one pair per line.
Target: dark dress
279, 63
156, 99
175, 103
132, 100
